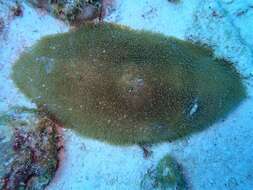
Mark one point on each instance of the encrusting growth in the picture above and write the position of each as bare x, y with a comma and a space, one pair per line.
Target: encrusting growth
168, 174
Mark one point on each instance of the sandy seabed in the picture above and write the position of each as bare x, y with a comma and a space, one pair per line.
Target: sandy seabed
220, 157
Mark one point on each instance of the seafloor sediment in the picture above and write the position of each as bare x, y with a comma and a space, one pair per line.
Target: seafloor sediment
219, 158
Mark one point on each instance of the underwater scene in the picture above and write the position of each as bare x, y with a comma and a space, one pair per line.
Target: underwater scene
126, 95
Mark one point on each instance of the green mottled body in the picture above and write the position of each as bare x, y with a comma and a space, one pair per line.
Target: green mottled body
123, 86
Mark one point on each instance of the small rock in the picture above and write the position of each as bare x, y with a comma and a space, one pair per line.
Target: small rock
174, 1
167, 175
1, 25
74, 12
17, 10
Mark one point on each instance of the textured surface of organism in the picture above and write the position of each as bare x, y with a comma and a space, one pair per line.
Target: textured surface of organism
123, 86
28, 150
167, 175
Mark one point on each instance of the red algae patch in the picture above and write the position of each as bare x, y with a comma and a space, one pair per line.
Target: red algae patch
29, 151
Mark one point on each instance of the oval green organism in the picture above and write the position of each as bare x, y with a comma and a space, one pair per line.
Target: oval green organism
124, 86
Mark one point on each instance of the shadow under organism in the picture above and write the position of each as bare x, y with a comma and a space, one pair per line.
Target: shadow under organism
123, 86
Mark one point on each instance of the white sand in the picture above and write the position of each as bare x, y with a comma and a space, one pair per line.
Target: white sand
220, 157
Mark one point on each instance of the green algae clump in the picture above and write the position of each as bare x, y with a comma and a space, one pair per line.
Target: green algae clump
124, 86
167, 175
